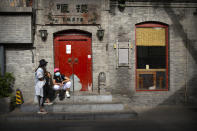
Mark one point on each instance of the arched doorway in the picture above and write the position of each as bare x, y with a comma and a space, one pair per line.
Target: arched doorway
73, 55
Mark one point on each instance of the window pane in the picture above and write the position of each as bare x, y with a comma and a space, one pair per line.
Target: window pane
151, 80
161, 80
154, 36
146, 81
154, 56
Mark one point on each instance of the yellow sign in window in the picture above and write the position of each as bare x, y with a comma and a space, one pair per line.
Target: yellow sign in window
150, 36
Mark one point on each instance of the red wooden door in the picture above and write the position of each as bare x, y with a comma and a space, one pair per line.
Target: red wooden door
73, 55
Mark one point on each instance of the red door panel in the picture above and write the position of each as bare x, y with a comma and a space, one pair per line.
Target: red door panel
73, 56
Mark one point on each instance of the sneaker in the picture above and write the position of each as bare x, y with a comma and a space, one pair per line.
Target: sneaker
42, 112
67, 94
48, 103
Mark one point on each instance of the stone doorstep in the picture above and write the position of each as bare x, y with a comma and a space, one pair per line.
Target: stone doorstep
70, 116
86, 93
85, 99
81, 102
81, 97
76, 108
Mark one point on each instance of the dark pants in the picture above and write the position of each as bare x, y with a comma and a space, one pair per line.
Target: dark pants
47, 88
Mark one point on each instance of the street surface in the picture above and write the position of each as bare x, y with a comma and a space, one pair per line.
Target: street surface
157, 119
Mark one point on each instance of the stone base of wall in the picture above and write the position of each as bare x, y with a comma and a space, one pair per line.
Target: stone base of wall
4, 105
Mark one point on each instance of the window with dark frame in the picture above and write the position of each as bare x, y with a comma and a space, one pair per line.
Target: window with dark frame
151, 57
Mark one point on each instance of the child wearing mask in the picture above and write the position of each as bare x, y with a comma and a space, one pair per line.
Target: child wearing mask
61, 82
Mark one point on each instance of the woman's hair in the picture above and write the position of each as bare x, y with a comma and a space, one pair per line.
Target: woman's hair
41, 66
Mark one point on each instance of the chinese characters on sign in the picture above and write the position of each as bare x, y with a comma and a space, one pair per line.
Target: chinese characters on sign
72, 13
82, 8
63, 8
79, 8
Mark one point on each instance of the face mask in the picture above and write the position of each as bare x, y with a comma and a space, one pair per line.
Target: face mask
57, 74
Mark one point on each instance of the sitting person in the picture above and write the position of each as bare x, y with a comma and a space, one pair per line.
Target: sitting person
61, 82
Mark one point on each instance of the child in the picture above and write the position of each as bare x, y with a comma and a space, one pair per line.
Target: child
61, 82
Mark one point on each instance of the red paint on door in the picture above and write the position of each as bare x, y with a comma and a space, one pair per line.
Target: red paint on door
77, 60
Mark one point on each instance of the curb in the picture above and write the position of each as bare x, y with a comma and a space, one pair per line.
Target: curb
76, 108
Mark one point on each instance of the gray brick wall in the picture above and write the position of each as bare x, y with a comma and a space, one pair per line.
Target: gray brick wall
15, 29
19, 62
121, 26
180, 56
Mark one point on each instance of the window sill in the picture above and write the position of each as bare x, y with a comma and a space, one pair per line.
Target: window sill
151, 69
151, 90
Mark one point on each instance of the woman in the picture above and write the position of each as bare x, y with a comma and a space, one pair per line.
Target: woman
61, 82
39, 84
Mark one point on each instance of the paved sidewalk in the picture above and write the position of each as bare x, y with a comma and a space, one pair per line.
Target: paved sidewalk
160, 118
69, 116
168, 113
18, 115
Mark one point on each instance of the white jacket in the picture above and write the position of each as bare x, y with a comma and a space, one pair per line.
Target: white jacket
39, 84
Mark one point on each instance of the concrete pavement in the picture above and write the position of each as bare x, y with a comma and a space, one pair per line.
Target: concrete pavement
160, 118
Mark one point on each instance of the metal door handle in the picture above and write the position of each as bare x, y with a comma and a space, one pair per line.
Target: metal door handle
76, 60
69, 60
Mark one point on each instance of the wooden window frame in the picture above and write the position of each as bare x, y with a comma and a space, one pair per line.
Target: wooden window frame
152, 25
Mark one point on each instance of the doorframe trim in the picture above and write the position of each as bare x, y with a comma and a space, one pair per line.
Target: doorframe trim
74, 32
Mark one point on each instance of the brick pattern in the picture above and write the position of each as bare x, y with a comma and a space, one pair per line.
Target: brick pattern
123, 79
19, 62
15, 29
121, 26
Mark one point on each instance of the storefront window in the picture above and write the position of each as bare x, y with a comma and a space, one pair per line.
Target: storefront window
151, 57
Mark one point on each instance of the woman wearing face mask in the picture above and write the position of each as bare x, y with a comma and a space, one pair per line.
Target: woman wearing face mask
61, 82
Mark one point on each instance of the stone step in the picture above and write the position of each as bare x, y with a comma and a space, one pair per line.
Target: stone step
76, 108
80, 97
84, 99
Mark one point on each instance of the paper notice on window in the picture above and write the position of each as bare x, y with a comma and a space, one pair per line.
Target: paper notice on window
147, 67
68, 49
89, 56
